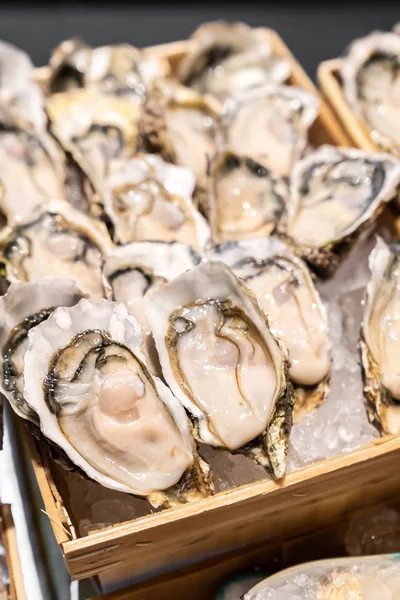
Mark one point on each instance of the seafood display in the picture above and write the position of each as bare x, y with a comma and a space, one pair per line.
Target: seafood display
167, 224
361, 578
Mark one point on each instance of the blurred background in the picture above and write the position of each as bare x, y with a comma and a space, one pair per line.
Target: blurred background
314, 31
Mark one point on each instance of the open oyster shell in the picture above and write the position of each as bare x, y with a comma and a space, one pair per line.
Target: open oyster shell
335, 194
133, 270
269, 124
246, 200
351, 578
147, 198
86, 379
95, 128
181, 126
24, 306
57, 240
226, 58
285, 291
121, 69
221, 361
371, 73
379, 336
31, 164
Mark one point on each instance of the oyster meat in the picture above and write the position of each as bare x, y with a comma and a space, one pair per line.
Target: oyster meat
335, 194
150, 199
86, 379
246, 199
285, 291
95, 128
133, 270
359, 578
57, 240
24, 306
222, 362
269, 124
371, 81
226, 58
121, 70
380, 333
181, 125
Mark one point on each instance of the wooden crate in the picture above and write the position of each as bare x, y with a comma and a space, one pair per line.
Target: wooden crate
331, 86
204, 579
9, 540
306, 500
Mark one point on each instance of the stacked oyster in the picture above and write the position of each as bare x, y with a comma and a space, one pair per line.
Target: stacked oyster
163, 231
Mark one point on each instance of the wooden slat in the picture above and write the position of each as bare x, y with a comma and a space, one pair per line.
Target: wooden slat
221, 522
17, 590
204, 579
329, 82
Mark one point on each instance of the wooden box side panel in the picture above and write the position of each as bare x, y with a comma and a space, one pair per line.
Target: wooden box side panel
205, 578
17, 589
329, 82
308, 499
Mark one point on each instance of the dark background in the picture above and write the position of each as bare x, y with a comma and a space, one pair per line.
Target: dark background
314, 31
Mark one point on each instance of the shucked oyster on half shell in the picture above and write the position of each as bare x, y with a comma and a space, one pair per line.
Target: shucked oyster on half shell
380, 332
181, 125
133, 270
24, 306
147, 198
371, 81
246, 200
222, 362
31, 164
57, 240
226, 58
86, 379
285, 291
95, 128
269, 124
335, 194
351, 578
117, 69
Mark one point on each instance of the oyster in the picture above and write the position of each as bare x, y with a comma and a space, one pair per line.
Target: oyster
246, 199
21, 100
133, 270
60, 241
149, 199
225, 58
285, 291
335, 193
31, 165
269, 124
121, 69
87, 380
181, 125
379, 336
358, 578
221, 361
24, 306
95, 128
370, 74
31, 170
